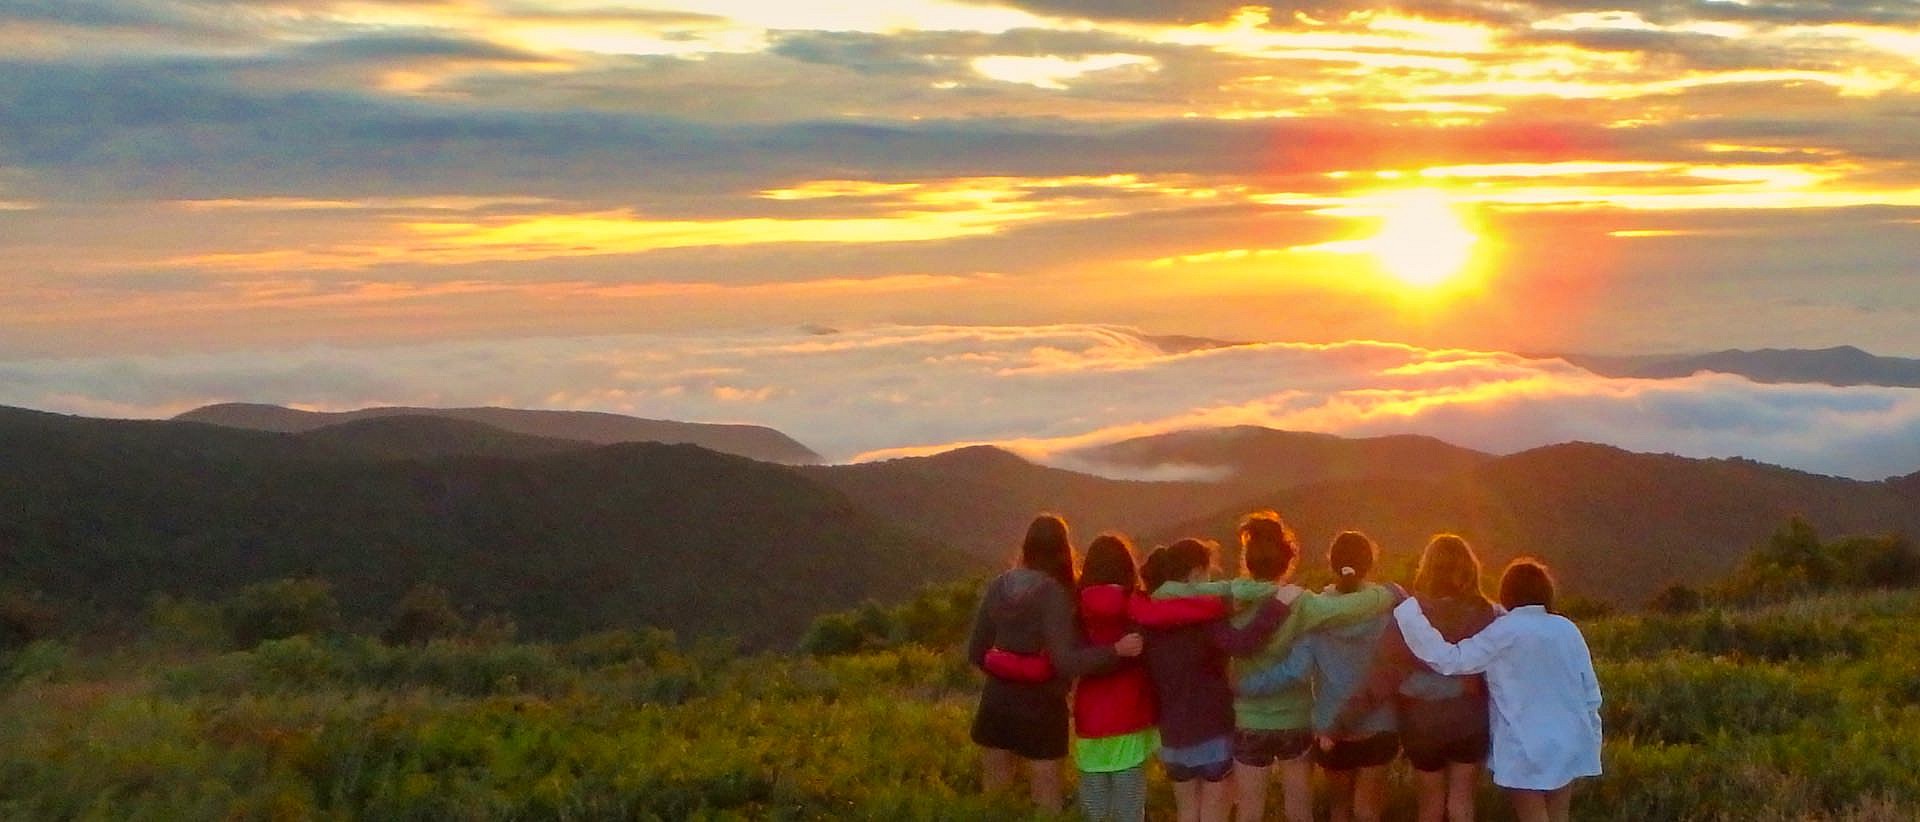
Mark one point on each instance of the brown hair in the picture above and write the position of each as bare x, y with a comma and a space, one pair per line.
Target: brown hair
1449, 570
1048, 549
1350, 556
1267, 546
1185, 557
1527, 581
1153, 569
1110, 562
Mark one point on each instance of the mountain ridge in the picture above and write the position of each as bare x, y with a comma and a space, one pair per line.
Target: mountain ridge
1840, 366
595, 427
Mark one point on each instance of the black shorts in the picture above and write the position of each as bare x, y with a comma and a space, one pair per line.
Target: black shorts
1354, 754
1262, 748
1029, 720
1431, 754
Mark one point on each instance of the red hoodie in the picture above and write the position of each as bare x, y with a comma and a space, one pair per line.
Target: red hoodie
1121, 702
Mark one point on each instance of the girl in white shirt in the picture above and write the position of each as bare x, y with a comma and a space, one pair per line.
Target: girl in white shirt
1546, 699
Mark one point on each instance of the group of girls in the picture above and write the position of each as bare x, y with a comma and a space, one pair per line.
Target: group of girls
1232, 683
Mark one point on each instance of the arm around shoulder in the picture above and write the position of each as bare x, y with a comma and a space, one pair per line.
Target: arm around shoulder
1281, 675
1470, 656
1070, 657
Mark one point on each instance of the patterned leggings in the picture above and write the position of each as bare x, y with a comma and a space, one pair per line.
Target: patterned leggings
1120, 796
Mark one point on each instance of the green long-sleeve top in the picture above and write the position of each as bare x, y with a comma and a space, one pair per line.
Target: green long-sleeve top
1290, 707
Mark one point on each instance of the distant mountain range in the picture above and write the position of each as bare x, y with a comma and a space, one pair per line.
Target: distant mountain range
567, 536
1619, 525
101, 514
1842, 366
593, 427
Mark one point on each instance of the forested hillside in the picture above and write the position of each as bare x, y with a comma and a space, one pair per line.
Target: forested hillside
101, 515
1618, 525
980, 499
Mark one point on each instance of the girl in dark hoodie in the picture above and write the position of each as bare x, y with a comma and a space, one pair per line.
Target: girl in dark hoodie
1029, 610
1189, 670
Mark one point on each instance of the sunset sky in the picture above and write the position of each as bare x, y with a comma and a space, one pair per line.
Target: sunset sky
290, 200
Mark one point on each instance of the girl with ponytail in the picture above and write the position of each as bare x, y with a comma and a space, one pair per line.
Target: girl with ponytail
1336, 659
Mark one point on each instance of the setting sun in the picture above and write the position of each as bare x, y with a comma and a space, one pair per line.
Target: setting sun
1423, 241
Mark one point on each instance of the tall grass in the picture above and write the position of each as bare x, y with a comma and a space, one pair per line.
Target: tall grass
1802, 711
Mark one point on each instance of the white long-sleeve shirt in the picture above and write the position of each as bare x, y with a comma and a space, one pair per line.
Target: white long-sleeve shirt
1546, 699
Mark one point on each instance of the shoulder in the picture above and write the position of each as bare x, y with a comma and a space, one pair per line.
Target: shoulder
1564, 627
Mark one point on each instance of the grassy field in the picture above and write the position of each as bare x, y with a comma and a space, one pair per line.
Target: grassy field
1804, 710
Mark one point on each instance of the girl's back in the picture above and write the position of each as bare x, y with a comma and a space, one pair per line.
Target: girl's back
1122, 700
1341, 659
1189, 673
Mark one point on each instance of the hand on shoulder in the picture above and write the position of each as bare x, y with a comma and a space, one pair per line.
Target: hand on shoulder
1288, 593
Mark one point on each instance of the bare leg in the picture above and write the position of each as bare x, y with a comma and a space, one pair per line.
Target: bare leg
1529, 806
1340, 790
1369, 790
1296, 788
1560, 803
1462, 781
1431, 788
1045, 784
1250, 784
1186, 800
1216, 801
996, 769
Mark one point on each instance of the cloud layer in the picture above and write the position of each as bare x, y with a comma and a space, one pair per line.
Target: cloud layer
1042, 390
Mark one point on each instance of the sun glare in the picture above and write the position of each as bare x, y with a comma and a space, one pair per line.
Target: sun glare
1423, 240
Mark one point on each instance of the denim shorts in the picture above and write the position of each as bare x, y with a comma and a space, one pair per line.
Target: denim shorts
1211, 760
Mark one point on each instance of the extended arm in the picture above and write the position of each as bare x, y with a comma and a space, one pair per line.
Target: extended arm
1070, 658
1012, 667
1239, 589
1175, 612
1281, 675
1470, 656
1329, 610
981, 638
1253, 636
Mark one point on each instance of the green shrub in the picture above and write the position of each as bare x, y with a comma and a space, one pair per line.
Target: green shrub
280, 609
424, 614
39, 662
1691, 699
25, 618
1719, 633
